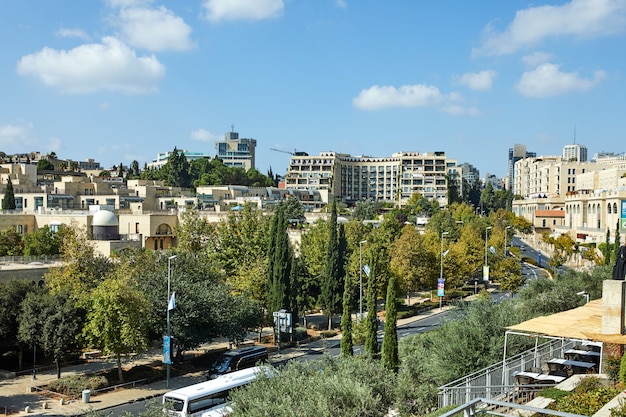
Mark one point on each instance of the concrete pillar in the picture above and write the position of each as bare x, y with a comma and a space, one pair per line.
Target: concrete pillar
613, 299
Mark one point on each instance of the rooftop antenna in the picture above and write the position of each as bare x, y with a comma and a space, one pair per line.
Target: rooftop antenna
574, 134
232, 128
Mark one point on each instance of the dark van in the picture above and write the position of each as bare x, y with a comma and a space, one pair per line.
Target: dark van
238, 359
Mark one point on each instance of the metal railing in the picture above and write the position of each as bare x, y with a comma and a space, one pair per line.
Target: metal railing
497, 380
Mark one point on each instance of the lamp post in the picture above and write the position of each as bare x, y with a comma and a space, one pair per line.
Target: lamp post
505, 229
441, 269
485, 268
169, 338
361, 278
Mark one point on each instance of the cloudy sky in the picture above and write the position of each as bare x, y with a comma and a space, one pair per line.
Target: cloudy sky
124, 80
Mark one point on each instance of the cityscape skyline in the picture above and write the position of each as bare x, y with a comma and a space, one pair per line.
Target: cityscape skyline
134, 78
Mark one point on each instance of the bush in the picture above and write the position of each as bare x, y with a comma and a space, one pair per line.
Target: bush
328, 333
586, 403
74, 385
612, 369
300, 333
554, 393
588, 384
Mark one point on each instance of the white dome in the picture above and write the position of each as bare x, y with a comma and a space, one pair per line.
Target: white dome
104, 218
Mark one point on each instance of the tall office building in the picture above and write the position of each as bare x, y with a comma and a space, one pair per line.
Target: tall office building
575, 152
516, 153
236, 152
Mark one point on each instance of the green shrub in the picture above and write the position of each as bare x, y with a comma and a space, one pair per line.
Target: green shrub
588, 384
587, 403
300, 333
612, 369
74, 385
328, 333
554, 393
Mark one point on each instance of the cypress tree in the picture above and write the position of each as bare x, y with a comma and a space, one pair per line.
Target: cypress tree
346, 323
371, 325
607, 248
330, 295
279, 291
390, 338
8, 201
616, 245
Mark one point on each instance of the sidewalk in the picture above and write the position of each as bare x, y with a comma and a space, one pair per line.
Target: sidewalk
16, 395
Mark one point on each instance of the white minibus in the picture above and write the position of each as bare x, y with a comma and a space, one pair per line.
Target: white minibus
208, 398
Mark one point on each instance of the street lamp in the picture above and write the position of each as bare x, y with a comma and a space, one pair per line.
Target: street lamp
361, 278
505, 229
169, 338
441, 269
485, 268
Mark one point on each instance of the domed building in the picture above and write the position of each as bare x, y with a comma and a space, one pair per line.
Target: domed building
105, 226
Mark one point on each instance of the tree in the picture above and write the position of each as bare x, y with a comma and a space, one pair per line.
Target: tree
11, 243
331, 284
43, 241
616, 244
44, 165
344, 386
61, 325
412, 260
31, 319
279, 266
390, 338
116, 319
365, 210
371, 340
8, 201
346, 323
294, 211
12, 293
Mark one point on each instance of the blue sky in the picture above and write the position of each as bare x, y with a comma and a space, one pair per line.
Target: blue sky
123, 80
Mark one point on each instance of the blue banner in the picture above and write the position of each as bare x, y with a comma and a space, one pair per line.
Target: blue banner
440, 287
167, 359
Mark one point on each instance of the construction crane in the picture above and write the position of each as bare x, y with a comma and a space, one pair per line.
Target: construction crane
280, 150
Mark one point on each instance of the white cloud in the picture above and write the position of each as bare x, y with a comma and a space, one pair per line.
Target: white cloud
341, 4
54, 145
482, 80
537, 58
15, 136
110, 65
580, 18
217, 10
105, 105
202, 135
128, 3
547, 80
380, 97
72, 33
155, 29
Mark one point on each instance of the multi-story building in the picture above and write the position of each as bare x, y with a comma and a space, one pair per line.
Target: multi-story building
469, 173
590, 204
387, 179
575, 152
549, 175
516, 153
236, 152
162, 158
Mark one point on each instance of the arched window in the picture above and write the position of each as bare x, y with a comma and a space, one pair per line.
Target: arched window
615, 208
608, 208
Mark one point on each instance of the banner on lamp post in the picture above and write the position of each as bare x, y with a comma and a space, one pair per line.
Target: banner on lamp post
486, 273
167, 358
440, 287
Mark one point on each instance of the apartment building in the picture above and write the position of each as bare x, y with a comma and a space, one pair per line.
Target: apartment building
575, 152
595, 205
236, 152
386, 179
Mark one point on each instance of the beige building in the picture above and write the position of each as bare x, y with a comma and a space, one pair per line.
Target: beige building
389, 179
597, 205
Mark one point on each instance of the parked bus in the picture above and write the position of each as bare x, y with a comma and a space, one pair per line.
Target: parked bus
238, 359
209, 398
